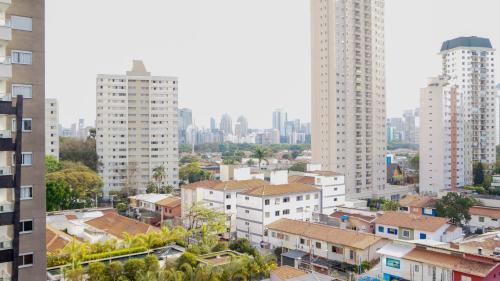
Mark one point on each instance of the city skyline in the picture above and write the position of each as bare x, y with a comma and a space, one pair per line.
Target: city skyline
283, 83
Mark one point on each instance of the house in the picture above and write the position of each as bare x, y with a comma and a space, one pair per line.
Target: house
418, 205
484, 218
487, 244
404, 226
407, 261
146, 201
288, 273
322, 246
170, 207
359, 220
57, 240
154, 208
260, 206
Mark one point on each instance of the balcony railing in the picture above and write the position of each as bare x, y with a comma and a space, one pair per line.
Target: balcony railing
5, 97
5, 171
5, 276
6, 207
5, 244
5, 60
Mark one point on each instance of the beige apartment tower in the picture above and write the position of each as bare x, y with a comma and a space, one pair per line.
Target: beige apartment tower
22, 140
136, 129
348, 92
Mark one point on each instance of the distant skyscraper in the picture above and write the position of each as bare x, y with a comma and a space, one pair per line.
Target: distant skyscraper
442, 143
348, 92
185, 120
497, 102
242, 124
469, 64
409, 126
226, 124
279, 121
213, 124
133, 140
51, 128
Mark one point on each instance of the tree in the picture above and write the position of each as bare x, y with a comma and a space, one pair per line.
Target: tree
74, 274
152, 188
199, 215
478, 172
456, 207
133, 268
243, 245
187, 258
415, 162
79, 150
114, 270
58, 196
260, 153
299, 167
151, 264
96, 271
390, 205
52, 164
193, 173
159, 175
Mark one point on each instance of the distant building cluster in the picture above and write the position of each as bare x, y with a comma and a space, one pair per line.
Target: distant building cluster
403, 129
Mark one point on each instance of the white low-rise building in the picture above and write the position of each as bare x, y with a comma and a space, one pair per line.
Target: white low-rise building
404, 226
263, 205
484, 218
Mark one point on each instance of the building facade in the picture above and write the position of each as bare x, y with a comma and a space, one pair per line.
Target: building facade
443, 162
469, 63
52, 128
22, 140
136, 129
348, 92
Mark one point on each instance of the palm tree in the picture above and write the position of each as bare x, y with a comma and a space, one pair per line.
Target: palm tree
260, 153
158, 175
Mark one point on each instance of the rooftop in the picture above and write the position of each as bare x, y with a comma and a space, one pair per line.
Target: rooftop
56, 240
171, 202
454, 262
340, 214
117, 225
326, 233
280, 189
149, 197
471, 41
485, 211
287, 272
301, 179
226, 185
412, 221
417, 201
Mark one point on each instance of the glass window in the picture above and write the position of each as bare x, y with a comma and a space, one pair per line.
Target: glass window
26, 192
27, 159
380, 229
392, 231
21, 23
22, 57
392, 263
22, 90
26, 260
286, 212
26, 226
266, 202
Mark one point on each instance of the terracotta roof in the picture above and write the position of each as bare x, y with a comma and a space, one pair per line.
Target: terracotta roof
279, 189
301, 179
56, 240
412, 221
229, 185
116, 225
417, 201
451, 261
71, 217
287, 272
326, 233
485, 211
169, 202
488, 241
339, 214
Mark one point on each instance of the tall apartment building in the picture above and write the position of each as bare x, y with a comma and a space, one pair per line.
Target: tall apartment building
226, 124
410, 127
51, 128
279, 121
185, 120
348, 92
22, 147
469, 63
442, 139
136, 129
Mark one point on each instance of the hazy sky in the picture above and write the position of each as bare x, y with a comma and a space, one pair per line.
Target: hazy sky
238, 56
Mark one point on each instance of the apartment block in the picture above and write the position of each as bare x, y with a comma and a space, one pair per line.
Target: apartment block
263, 205
136, 127
348, 92
52, 128
469, 62
22, 140
443, 161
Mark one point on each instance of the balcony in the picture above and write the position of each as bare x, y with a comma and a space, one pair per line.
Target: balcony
6, 141
5, 68
6, 207
5, 31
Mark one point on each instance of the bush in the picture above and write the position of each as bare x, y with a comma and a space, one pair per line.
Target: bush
188, 258
114, 270
221, 246
96, 271
133, 268
115, 253
242, 245
151, 263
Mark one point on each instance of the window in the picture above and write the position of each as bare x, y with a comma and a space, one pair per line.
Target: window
21, 23
26, 226
211, 192
277, 213
286, 199
316, 195
267, 214
25, 260
392, 263
228, 207
423, 236
417, 268
27, 159
302, 241
308, 197
266, 202
27, 124
247, 211
247, 198
352, 256
26, 192
392, 231
22, 90
406, 233
380, 229
300, 198
299, 210
228, 196
318, 245
22, 57
286, 212
481, 219
277, 201
465, 278
337, 250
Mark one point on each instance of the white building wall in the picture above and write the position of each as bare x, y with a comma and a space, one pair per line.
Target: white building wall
486, 222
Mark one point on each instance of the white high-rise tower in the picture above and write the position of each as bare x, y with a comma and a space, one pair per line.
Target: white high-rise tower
348, 92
